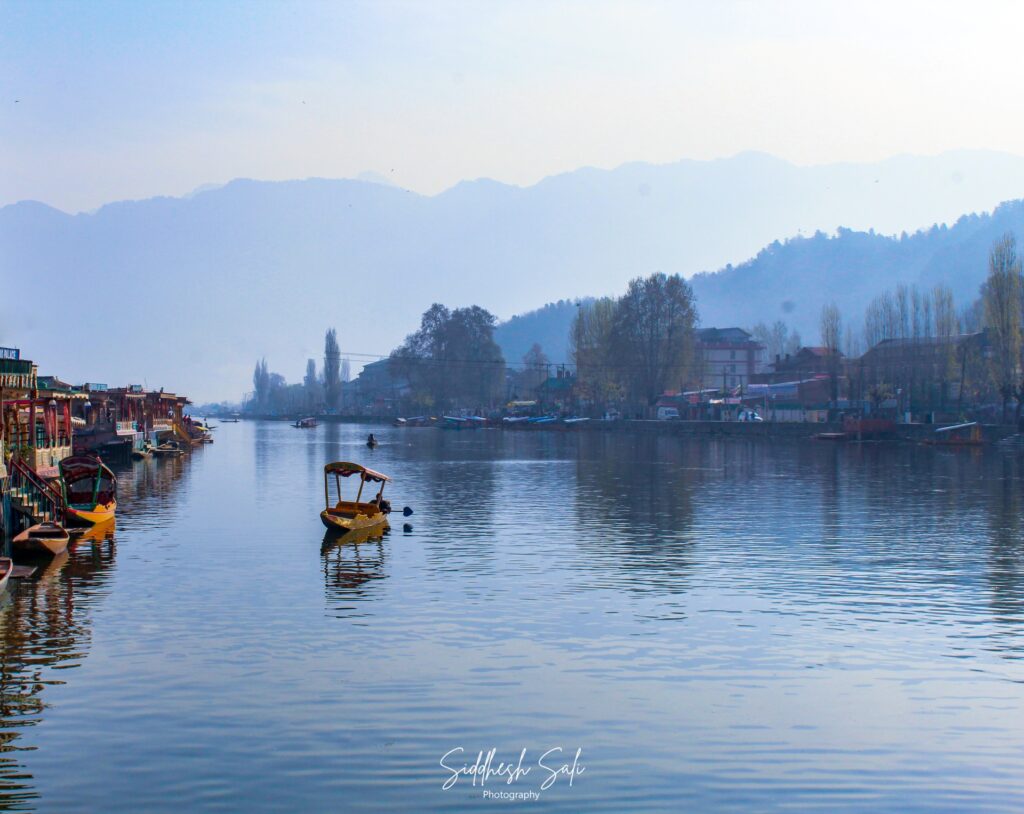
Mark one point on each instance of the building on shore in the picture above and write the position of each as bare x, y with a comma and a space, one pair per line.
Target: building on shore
806, 363
376, 391
35, 414
727, 358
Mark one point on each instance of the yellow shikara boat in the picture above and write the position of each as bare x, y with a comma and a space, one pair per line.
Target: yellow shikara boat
369, 519
90, 490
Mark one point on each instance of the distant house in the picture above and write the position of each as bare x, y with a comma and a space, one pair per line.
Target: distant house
727, 358
806, 363
927, 373
557, 392
376, 389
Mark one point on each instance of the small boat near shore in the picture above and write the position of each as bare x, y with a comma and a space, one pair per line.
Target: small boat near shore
6, 570
967, 434
43, 538
167, 449
143, 453
305, 423
370, 518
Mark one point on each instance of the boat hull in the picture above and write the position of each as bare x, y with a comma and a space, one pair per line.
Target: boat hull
373, 525
48, 540
85, 516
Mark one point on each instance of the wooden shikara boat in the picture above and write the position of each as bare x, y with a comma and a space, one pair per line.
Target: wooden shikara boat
43, 538
369, 519
6, 569
90, 490
167, 450
957, 435
305, 423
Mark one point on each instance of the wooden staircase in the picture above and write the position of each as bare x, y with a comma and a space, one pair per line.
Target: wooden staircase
31, 495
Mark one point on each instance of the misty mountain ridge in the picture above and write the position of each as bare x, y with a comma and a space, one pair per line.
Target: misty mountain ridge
257, 268
791, 280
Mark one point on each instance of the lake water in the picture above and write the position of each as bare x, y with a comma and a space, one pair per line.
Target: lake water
719, 626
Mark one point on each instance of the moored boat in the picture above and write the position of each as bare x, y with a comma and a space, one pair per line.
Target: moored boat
167, 449
89, 489
43, 538
958, 435
370, 517
305, 423
6, 569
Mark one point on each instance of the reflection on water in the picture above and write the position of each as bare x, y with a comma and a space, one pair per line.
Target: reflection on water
46, 628
720, 625
351, 564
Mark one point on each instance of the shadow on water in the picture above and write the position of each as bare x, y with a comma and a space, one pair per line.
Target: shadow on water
45, 627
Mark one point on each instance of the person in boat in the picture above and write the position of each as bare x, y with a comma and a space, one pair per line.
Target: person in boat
371, 441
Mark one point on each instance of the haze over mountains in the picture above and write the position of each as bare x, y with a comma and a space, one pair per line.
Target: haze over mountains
256, 269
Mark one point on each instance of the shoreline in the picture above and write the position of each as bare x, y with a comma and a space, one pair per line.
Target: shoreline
801, 430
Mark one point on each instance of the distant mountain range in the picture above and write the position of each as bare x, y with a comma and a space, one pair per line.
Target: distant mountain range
188, 292
791, 280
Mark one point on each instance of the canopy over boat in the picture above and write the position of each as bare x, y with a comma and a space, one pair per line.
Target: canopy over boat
345, 469
955, 427
81, 467
355, 515
89, 488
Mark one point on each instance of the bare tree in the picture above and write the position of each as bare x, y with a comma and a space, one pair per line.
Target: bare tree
591, 351
653, 334
1001, 294
311, 384
831, 331
535, 368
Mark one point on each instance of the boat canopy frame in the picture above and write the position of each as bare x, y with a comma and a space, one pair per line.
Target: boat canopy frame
345, 469
83, 467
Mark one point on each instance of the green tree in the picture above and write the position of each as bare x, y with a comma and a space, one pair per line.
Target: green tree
453, 360
332, 369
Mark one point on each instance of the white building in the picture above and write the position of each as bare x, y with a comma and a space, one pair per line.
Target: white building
727, 358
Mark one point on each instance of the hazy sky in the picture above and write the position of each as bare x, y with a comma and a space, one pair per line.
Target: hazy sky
110, 100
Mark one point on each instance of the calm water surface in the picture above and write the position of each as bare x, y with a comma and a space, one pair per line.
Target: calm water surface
720, 626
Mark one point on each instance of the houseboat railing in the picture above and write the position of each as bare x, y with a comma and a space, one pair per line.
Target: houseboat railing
31, 490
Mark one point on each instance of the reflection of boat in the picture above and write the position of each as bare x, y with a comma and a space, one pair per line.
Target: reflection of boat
42, 538
6, 567
305, 423
90, 490
54, 566
95, 534
355, 515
